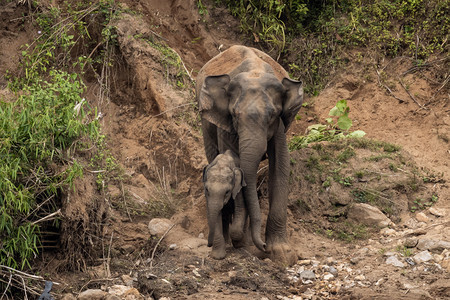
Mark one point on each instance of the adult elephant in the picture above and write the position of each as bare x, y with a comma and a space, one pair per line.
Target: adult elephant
247, 103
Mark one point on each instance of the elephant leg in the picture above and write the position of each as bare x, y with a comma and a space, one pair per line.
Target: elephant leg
238, 224
276, 232
218, 248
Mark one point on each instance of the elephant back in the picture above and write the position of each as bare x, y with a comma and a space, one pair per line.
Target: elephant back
238, 59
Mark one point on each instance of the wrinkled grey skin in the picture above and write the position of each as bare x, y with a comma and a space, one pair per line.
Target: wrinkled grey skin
247, 103
223, 180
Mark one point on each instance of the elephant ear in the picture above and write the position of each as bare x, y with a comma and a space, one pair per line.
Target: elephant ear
292, 102
239, 182
213, 101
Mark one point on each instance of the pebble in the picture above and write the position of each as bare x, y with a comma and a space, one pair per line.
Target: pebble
307, 275
173, 246
332, 270
423, 256
421, 217
393, 260
328, 277
411, 242
360, 277
388, 231
438, 212
304, 262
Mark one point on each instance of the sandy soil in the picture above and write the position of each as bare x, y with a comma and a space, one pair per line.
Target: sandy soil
153, 132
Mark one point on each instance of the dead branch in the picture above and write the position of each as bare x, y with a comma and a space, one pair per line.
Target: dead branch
48, 217
387, 88
157, 244
411, 96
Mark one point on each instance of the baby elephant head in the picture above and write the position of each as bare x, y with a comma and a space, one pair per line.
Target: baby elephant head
223, 179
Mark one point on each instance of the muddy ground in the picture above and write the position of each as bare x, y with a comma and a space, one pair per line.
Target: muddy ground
152, 129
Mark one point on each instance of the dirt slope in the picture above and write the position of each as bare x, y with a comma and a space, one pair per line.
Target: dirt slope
153, 132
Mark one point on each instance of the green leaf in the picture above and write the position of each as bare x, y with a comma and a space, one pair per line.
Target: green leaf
334, 112
344, 122
357, 134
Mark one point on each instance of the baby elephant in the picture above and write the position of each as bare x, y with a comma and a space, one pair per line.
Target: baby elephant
223, 180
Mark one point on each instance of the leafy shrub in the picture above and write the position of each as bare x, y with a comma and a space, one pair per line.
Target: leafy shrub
334, 130
40, 129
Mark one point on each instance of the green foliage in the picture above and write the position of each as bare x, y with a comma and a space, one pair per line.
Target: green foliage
334, 130
42, 130
43, 126
421, 203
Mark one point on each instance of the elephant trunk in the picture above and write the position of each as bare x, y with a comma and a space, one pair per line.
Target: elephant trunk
213, 217
251, 151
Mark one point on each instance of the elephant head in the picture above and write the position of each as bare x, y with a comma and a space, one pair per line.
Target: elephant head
258, 107
222, 180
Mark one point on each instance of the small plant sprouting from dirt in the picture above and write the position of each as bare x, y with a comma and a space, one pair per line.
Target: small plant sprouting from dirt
336, 128
422, 203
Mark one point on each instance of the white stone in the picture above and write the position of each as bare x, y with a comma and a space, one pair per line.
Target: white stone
421, 217
328, 277
388, 232
368, 215
438, 212
159, 226
360, 277
307, 275
92, 294
393, 260
423, 256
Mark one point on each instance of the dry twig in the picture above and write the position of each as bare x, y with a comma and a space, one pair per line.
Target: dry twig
157, 244
388, 89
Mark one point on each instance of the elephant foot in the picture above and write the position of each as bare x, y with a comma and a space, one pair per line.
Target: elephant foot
218, 253
280, 251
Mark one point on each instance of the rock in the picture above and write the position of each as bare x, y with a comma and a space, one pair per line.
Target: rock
173, 246
360, 277
438, 258
423, 256
421, 217
114, 297
192, 243
368, 215
159, 226
333, 270
411, 242
304, 262
410, 261
124, 291
328, 277
127, 280
438, 212
355, 260
388, 232
307, 275
68, 297
432, 245
446, 264
393, 260
92, 294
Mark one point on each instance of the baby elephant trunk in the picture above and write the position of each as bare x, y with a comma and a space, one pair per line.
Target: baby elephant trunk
214, 220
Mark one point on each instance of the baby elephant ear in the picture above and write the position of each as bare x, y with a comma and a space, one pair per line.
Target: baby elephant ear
292, 102
239, 182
